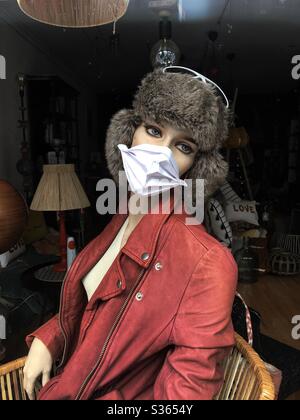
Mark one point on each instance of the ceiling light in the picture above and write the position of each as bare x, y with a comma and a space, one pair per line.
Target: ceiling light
165, 52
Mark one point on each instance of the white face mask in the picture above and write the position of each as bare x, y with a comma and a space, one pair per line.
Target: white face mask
150, 169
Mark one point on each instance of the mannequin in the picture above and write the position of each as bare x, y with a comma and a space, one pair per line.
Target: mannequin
170, 284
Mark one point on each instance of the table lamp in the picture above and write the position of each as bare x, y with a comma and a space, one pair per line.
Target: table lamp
60, 190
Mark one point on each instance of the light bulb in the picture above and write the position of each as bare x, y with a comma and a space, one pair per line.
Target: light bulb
165, 53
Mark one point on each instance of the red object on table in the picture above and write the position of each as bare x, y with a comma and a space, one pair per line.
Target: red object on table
62, 265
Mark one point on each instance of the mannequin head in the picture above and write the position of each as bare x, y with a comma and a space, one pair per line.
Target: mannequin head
174, 107
180, 142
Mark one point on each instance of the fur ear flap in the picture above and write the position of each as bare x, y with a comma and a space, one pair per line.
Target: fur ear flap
120, 131
211, 167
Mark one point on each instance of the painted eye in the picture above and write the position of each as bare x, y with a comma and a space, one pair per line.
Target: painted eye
186, 149
155, 132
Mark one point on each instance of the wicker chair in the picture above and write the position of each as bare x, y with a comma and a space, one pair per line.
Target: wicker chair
246, 377
11, 380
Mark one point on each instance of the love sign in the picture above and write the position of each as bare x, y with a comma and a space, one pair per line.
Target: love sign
243, 211
244, 208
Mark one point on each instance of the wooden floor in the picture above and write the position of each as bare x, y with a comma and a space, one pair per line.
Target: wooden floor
277, 299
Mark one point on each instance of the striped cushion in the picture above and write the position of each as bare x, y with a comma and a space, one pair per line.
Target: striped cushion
217, 224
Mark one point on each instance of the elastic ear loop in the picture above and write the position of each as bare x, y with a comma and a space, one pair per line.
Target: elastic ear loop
203, 78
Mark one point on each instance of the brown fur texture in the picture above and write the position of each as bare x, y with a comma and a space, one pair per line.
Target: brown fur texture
184, 103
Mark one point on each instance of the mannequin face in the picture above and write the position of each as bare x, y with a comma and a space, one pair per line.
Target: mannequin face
179, 141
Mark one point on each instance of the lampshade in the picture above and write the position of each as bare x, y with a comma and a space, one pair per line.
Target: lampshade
59, 189
237, 138
74, 13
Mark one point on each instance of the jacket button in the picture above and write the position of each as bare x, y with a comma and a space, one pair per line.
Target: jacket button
158, 266
145, 256
119, 284
139, 296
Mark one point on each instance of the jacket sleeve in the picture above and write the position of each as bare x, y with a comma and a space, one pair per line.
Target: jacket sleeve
202, 333
50, 334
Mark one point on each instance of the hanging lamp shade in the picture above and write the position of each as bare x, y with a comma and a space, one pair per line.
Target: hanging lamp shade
74, 13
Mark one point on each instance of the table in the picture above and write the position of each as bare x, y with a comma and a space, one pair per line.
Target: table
36, 279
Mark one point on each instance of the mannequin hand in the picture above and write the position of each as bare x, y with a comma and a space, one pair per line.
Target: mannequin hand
39, 362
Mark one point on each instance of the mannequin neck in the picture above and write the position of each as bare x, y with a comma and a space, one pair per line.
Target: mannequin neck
133, 217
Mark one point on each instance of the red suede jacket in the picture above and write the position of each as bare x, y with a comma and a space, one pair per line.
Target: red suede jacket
159, 324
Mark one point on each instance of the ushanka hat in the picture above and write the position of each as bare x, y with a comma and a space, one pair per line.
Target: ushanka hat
184, 102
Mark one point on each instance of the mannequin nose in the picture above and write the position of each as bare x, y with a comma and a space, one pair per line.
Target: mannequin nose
167, 143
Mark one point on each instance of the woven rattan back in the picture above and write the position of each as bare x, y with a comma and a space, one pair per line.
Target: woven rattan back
246, 377
11, 381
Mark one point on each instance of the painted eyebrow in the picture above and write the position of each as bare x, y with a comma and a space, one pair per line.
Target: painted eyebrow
190, 139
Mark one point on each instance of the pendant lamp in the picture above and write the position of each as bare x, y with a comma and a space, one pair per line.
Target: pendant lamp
165, 52
74, 13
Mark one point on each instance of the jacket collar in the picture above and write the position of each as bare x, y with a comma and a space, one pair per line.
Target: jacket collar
149, 228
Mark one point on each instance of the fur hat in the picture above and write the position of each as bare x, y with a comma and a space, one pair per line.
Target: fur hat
184, 103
